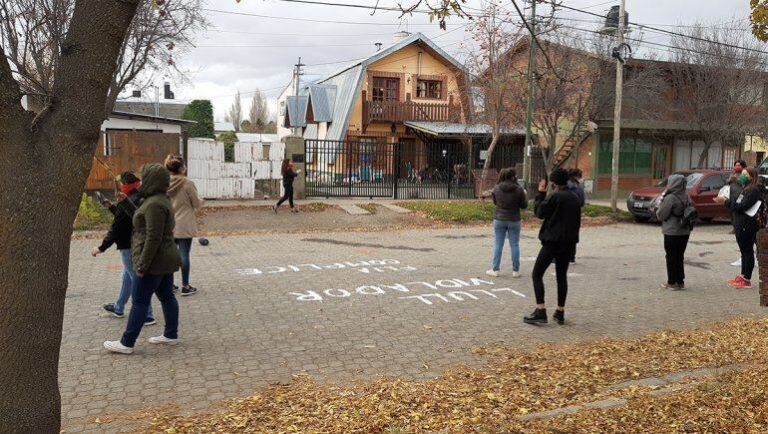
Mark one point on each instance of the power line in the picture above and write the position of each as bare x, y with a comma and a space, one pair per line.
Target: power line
309, 20
355, 5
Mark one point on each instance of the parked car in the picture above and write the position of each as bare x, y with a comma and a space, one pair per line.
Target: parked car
703, 186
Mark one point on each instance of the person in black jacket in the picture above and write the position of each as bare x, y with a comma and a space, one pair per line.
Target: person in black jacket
508, 199
745, 224
288, 176
575, 187
559, 232
119, 234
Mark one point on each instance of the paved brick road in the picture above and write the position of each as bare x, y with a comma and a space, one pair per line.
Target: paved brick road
255, 320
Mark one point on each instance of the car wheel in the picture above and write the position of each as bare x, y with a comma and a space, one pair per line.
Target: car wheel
640, 219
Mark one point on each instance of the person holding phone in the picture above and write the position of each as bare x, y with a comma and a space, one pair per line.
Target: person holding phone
745, 209
155, 259
508, 199
119, 234
289, 175
561, 211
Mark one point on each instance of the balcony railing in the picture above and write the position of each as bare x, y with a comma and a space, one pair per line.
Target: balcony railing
401, 111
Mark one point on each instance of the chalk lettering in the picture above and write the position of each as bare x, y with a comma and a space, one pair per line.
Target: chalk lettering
248, 271
369, 290
520, 294
448, 284
398, 287
484, 292
463, 283
427, 284
309, 296
361, 264
294, 268
478, 282
313, 266
423, 297
277, 270
458, 295
384, 262
342, 292
336, 266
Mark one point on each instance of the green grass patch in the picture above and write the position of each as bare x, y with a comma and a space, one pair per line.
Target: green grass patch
370, 207
453, 211
91, 215
590, 210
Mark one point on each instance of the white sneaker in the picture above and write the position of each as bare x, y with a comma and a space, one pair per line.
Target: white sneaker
117, 347
736, 263
493, 273
515, 274
162, 340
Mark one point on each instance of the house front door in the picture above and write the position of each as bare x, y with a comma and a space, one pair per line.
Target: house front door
660, 162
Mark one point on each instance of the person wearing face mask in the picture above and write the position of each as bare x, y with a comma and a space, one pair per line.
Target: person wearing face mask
734, 189
745, 222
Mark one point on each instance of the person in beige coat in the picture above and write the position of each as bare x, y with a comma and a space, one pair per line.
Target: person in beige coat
185, 201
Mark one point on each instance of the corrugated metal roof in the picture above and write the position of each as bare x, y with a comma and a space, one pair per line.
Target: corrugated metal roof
322, 98
347, 89
223, 126
449, 128
296, 107
310, 133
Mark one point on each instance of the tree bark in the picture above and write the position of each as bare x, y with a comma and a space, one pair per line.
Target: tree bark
487, 164
44, 165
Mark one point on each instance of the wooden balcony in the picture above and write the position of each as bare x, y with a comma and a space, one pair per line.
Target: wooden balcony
401, 111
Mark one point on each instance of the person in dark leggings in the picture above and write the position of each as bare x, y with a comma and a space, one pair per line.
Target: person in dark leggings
561, 212
155, 259
745, 223
674, 200
288, 177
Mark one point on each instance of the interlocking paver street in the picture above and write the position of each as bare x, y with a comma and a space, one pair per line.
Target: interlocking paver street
258, 318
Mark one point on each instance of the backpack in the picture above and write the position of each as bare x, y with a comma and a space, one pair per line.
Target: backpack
689, 216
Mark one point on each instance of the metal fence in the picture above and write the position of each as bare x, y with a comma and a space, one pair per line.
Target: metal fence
405, 170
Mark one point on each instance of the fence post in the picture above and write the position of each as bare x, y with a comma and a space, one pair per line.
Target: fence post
295, 150
396, 171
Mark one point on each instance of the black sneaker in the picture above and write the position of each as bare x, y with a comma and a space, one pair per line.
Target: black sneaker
110, 307
149, 322
188, 290
539, 316
559, 316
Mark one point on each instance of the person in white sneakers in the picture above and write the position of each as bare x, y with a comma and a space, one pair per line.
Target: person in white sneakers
155, 259
509, 198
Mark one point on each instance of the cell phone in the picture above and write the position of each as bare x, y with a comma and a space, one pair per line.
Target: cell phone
100, 198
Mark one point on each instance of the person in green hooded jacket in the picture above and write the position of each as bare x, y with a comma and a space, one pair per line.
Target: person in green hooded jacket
155, 259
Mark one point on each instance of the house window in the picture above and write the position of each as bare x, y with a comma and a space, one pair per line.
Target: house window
634, 156
432, 89
108, 151
386, 89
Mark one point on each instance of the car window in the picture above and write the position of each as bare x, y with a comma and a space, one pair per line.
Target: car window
691, 179
714, 182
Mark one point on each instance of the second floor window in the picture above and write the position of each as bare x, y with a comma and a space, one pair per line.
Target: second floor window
432, 89
386, 89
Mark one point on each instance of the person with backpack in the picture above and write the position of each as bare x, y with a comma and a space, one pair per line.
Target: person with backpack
559, 232
289, 175
155, 259
746, 209
508, 199
674, 213
119, 234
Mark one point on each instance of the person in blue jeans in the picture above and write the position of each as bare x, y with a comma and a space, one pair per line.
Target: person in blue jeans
155, 258
119, 234
508, 198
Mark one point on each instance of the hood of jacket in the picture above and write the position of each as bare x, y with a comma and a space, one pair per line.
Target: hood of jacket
155, 179
177, 182
508, 186
676, 184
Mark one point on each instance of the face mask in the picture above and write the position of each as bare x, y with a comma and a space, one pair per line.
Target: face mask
744, 179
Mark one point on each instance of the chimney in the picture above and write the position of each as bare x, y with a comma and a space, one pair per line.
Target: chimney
167, 94
399, 36
136, 94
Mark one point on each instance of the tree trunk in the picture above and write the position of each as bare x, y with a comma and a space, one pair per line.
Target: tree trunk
487, 164
704, 156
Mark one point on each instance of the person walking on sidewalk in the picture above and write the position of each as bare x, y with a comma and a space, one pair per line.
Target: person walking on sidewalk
574, 186
508, 199
289, 175
559, 232
186, 202
745, 209
119, 234
155, 258
676, 233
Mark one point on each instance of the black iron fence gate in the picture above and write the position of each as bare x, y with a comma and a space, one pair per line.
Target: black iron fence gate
405, 170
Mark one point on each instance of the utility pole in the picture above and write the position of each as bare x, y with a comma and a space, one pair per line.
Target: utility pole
531, 97
297, 73
617, 108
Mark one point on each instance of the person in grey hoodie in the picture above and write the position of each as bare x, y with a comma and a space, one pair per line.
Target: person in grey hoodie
509, 198
670, 213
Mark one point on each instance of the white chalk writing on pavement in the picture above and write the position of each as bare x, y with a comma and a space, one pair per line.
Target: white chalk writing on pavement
367, 267
462, 290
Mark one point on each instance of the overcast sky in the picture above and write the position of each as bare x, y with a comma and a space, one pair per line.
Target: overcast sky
241, 52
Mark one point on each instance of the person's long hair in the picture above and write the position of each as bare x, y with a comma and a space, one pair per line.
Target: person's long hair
507, 174
284, 167
755, 177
